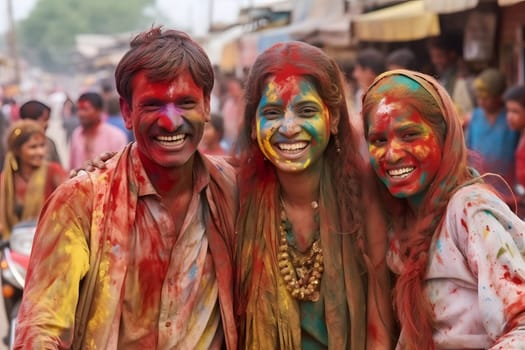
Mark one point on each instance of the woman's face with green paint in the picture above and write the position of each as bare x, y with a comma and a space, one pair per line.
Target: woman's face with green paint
404, 150
292, 123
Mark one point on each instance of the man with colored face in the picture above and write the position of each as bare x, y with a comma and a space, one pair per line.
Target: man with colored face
93, 136
139, 255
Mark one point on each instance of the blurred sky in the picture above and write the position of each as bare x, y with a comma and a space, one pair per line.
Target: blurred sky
189, 15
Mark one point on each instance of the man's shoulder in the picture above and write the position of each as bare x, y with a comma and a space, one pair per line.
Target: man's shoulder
222, 166
222, 162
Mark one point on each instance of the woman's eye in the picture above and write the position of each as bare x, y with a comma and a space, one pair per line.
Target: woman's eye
410, 135
308, 111
271, 113
377, 140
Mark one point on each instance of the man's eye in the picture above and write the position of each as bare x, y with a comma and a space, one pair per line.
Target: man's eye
188, 104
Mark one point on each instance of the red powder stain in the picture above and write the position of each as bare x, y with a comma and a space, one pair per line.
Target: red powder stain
439, 259
454, 291
515, 309
511, 277
393, 247
372, 331
469, 204
464, 224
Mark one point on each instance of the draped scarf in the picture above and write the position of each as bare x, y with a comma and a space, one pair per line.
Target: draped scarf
33, 199
269, 315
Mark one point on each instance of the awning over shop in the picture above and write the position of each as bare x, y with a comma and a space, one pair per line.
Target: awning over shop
449, 6
331, 31
508, 2
403, 22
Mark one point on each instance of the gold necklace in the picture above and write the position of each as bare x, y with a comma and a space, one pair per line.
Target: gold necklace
300, 271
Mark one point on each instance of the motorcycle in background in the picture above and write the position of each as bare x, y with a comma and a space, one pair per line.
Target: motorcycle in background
14, 260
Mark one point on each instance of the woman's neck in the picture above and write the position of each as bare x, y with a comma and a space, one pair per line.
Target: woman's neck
301, 188
26, 171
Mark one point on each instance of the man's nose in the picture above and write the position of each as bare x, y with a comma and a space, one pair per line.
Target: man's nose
171, 118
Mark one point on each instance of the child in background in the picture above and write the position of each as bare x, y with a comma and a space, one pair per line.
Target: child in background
488, 133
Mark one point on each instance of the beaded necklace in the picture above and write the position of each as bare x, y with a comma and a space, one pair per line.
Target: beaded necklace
301, 271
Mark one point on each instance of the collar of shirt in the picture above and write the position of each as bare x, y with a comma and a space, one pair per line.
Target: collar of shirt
201, 174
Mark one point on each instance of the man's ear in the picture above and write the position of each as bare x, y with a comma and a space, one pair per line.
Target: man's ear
125, 109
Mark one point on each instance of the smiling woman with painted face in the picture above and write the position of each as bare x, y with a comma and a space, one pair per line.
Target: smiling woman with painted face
302, 278
27, 178
455, 245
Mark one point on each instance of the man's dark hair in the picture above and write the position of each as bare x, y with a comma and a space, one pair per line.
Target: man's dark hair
94, 98
33, 109
447, 42
403, 57
373, 59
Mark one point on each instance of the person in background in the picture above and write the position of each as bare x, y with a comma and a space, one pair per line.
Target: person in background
140, 255
69, 117
514, 99
370, 62
41, 112
310, 258
93, 136
446, 55
115, 117
27, 179
212, 140
231, 111
488, 133
455, 245
403, 58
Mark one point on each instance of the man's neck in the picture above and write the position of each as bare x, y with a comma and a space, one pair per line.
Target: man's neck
90, 128
169, 182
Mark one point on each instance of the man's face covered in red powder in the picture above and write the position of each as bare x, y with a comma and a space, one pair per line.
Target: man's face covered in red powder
167, 118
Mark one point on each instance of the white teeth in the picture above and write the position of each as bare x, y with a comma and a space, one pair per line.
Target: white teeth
291, 147
402, 172
171, 139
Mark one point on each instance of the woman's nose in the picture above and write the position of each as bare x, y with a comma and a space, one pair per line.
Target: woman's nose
289, 126
394, 152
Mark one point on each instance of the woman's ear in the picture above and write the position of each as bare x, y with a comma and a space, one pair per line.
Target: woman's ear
253, 133
334, 122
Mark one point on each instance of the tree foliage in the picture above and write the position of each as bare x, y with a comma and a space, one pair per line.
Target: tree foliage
47, 35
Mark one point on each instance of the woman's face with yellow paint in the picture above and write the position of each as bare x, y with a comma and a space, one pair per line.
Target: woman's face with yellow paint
292, 123
404, 150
